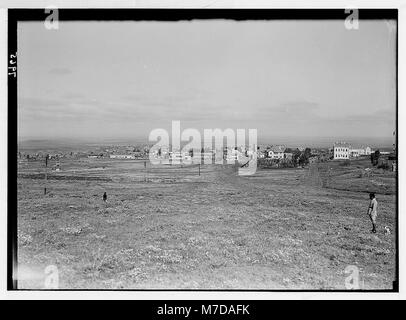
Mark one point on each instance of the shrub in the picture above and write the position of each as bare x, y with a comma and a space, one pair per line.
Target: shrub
384, 166
345, 163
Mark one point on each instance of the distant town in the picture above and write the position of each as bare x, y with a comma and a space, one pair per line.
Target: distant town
268, 156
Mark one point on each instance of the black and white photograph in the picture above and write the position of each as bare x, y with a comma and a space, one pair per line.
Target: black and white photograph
203, 150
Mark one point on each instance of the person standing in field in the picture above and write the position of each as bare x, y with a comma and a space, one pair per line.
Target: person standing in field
105, 197
372, 211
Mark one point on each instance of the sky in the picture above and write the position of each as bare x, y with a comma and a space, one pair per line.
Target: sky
296, 79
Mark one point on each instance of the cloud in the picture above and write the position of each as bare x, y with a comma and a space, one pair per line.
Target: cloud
73, 95
300, 117
60, 71
293, 107
39, 103
373, 117
81, 108
289, 111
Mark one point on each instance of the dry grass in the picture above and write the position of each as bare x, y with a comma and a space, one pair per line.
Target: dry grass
273, 230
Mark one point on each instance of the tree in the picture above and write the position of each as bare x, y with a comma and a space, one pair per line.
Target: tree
306, 155
302, 159
375, 157
296, 157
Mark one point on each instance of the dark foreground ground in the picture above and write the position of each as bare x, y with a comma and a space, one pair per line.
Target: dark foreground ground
278, 229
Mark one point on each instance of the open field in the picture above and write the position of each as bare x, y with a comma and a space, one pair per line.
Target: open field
167, 227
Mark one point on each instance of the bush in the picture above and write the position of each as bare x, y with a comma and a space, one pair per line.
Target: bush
384, 166
267, 163
345, 163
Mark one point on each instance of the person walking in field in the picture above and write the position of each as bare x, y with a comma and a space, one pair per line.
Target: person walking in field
372, 211
105, 197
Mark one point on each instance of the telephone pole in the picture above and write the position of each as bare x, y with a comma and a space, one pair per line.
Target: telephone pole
145, 171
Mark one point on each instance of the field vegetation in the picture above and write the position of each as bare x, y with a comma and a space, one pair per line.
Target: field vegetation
167, 227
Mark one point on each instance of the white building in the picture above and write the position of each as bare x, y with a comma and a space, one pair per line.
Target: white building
368, 151
360, 152
233, 155
276, 152
175, 156
122, 156
341, 151
355, 153
180, 157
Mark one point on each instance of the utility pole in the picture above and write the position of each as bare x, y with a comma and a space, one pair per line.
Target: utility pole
145, 171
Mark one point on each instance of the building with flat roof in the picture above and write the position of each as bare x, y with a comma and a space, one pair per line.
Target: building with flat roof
341, 151
122, 156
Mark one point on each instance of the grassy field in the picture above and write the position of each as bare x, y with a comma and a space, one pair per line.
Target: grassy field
166, 227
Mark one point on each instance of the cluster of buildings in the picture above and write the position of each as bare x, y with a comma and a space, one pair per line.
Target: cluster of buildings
126, 152
340, 151
279, 153
343, 151
206, 155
